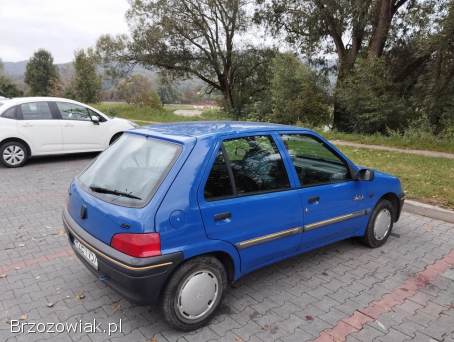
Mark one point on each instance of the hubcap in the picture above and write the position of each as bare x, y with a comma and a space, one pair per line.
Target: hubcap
198, 295
13, 155
382, 224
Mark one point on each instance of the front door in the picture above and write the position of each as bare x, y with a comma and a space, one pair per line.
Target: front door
248, 201
79, 132
335, 206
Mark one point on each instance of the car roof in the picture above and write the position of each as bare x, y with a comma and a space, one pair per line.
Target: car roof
213, 128
20, 100
8, 103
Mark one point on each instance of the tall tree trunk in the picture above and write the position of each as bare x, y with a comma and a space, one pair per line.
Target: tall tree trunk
383, 17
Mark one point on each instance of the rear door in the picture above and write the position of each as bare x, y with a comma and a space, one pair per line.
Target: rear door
40, 127
247, 199
79, 132
335, 206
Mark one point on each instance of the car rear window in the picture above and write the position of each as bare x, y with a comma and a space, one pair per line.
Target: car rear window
129, 172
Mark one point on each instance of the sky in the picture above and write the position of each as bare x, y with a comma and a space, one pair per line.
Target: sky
59, 26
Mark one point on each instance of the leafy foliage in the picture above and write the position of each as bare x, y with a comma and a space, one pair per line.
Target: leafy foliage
351, 29
7, 87
86, 84
41, 74
297, 93
138, 90
189, 38
371, 98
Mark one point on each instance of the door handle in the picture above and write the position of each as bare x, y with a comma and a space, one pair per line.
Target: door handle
222, 216
27, 125
313, 200
69, 125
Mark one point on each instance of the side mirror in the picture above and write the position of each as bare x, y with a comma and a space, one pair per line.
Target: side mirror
365, 175
95, 120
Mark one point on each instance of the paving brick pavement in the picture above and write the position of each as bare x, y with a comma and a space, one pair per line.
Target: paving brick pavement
402, 291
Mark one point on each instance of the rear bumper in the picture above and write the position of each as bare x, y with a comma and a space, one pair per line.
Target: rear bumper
138, 279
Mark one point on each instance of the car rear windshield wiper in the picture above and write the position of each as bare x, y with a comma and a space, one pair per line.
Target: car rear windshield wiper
102, 190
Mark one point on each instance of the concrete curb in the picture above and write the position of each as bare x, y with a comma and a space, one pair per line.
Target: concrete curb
429, 211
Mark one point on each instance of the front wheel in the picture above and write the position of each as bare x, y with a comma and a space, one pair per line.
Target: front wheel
193, 293
380, 224
13, 154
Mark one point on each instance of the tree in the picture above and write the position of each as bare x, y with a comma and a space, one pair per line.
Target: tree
86, 84
113, 59
348, 28
138, 90
252, 81
192, 38
7, 87
297, 93
168, 91
41, 74
372, 98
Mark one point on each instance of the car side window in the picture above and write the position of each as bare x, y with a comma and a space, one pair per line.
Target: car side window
36, 111
71, 111
10, 113
256, 165
218, 184
314, 163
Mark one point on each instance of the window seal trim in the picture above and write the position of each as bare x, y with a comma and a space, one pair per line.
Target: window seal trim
229, 169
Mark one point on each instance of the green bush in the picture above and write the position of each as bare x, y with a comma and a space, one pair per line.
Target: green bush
297, 94
372, 99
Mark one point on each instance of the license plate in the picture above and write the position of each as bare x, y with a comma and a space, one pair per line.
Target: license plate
86, 254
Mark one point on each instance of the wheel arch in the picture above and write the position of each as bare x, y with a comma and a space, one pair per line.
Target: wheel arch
394, 199
27, 146
229, 257
115, 137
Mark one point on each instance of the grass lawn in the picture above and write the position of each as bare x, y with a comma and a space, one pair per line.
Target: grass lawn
144, 113
418, 143
426, 179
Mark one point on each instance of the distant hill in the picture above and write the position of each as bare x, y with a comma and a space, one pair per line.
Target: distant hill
16, 70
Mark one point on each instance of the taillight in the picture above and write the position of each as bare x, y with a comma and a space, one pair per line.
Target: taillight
137, 245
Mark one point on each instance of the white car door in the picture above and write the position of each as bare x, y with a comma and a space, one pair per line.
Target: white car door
40, 128
80, 133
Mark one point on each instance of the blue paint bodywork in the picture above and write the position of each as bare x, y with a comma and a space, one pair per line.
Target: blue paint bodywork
184, 219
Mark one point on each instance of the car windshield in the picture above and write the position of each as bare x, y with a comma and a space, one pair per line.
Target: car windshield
129, 172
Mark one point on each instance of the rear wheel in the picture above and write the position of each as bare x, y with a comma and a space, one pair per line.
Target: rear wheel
13, 154
380, 224
193, 293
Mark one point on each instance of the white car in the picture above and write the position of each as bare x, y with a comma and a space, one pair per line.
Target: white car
37, 126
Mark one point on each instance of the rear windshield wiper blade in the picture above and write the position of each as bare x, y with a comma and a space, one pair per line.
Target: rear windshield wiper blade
102, 190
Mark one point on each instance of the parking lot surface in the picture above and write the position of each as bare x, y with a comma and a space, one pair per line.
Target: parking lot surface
402, 291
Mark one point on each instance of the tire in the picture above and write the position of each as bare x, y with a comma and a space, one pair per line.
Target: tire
115, 138
13, 154
193, 293
380, 225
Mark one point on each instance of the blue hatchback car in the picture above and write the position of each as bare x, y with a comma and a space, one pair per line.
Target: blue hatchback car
177, 212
